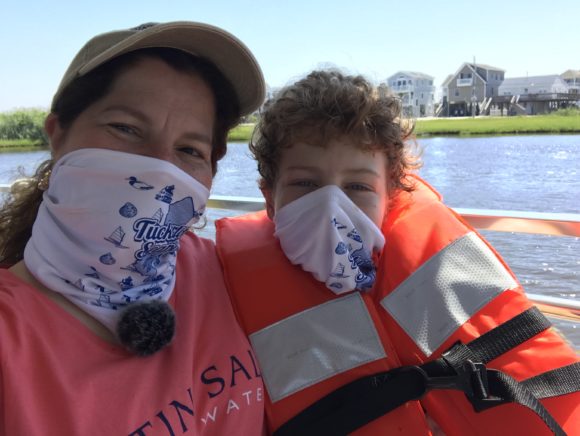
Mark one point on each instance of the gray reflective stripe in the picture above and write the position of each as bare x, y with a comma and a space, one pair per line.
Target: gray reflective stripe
316, 344
447, 290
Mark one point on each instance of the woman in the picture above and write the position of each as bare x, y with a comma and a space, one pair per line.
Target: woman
114, 317
362, 292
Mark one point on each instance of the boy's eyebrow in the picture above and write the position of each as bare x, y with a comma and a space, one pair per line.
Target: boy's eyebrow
363, 171
350, 171
302, 168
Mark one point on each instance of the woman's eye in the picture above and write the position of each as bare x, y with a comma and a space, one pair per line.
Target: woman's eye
124, 128
193, 152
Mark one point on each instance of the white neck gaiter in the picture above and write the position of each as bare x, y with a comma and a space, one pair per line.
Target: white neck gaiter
108, 228
330, 237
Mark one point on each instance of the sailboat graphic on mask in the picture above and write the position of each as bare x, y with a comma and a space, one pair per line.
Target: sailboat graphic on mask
116, 238
338, 272
158, 216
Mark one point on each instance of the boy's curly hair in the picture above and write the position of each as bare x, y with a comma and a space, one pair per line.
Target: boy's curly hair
326, 105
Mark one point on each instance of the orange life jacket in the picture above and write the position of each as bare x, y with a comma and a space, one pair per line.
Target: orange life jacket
437, 283
265, 289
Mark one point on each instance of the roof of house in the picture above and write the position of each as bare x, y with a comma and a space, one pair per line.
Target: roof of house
472, 68
413, 74
570, 74
532, 81
447, 80
484, 66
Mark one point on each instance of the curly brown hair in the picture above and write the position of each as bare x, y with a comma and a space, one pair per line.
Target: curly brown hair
326, 105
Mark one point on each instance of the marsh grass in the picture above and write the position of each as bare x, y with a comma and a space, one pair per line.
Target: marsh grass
24, 128
559, 122
243, 132
21, 144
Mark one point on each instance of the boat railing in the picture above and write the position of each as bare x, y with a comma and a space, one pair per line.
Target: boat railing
559, 224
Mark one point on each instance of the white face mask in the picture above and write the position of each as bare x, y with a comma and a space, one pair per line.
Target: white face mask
330, 237
108, 228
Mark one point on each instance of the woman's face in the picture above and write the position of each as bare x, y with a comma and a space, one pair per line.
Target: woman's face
151, 110
361, 174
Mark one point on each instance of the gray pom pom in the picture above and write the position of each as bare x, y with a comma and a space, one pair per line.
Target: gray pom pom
145, 328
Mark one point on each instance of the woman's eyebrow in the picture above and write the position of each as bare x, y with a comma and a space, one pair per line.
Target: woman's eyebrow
128, 109
198, 137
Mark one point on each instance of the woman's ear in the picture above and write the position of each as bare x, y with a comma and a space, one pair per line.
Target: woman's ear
54, 131
268, 196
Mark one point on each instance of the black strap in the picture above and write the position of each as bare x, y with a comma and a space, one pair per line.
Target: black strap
357, 403
509, 335
497, 341
462, 367
559, 381
487, 388
507, 388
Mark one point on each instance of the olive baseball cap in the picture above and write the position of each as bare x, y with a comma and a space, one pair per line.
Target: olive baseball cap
224, 50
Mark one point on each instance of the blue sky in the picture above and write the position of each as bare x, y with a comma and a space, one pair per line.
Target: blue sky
372, 37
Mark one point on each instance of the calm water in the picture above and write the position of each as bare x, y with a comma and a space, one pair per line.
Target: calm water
525, 173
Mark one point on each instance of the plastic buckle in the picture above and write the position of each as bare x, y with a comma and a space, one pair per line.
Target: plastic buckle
471, 378
474, 376
476, 387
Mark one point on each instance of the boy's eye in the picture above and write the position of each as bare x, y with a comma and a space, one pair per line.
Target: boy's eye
304, 183
359, 187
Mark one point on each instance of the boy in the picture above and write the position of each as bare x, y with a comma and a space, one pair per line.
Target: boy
357, 269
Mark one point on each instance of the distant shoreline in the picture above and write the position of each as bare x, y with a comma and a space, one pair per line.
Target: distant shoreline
519, 125
485, 125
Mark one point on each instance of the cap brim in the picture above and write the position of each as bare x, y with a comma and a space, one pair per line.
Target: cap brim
225, 51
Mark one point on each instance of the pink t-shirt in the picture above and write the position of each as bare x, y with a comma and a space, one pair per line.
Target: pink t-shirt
58, 378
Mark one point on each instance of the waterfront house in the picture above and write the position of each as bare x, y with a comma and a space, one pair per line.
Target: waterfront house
416, 91
443, 109
471, 89
572, 79
532, 95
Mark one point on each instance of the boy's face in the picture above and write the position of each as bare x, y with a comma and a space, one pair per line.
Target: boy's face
304, 167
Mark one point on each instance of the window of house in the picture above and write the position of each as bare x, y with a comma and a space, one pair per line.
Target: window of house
416, 102
526, 90
457, 93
